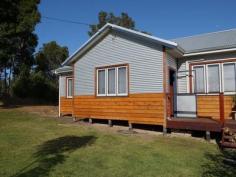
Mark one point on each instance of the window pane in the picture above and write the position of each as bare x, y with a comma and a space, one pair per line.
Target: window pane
199, 84
69, 86
213, 78
229, 77
122, 80
111, 81
101, 81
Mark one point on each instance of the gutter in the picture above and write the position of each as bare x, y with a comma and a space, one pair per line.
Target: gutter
209, 52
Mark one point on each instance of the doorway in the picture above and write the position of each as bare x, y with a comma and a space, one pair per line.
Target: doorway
171, 91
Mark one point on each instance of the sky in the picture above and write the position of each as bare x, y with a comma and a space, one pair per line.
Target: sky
166, 19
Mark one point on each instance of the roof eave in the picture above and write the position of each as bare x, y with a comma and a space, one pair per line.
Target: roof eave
209, 52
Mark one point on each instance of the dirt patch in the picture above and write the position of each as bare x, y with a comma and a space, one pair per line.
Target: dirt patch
42, 110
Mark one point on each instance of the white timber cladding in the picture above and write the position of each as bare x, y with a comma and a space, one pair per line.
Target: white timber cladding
144, 59
183, 63
62, 85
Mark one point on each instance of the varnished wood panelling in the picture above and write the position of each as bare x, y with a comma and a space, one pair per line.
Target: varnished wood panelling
66, 105
136, 108
208, 106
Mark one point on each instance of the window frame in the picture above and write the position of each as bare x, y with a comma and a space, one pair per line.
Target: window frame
116, 84
221, 64
207, 80
105, 83
126, 84
106, 68
223, 82
67, 87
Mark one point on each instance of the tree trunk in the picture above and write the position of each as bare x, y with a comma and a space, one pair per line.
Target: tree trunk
5, 79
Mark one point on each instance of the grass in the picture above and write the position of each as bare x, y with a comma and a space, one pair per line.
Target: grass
32, 146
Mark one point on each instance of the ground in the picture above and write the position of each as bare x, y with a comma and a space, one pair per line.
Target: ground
37, 144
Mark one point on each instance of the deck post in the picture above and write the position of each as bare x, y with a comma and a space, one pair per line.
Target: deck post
222, 112
110, 123
90, 120
208, 135
130, 126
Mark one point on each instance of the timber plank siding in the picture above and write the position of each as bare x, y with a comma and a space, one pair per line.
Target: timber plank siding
136, 108
66, 105
209, 106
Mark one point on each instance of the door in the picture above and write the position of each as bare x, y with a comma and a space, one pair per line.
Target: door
172, 79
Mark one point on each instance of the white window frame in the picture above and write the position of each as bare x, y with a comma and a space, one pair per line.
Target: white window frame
67, 87
104, 69
126, 88
223, 84
107, 86
220, 73
205, 79
116, 81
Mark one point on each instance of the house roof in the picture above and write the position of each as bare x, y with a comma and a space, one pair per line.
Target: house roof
208, 42
106, 28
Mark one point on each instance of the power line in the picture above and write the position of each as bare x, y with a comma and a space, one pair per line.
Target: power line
66, 21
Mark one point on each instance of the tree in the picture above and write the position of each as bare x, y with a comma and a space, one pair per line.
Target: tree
103, 17
18, 19
50, 57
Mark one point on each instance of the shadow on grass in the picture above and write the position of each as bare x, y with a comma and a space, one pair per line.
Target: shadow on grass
52, 153
220, 165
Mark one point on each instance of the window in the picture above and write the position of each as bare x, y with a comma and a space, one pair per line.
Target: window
112, 81
122, 80
199, 79
229, 77
101, 82
69, 87
213, 78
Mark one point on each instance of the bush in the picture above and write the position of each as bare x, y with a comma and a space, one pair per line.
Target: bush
36, 86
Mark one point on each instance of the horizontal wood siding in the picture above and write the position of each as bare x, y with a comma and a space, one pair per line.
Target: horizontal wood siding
144, 59
208, 106
66, 105
137, 108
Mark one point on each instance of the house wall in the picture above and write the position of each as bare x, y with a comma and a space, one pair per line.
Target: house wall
64, 102
144, 104
144, 59
207, 105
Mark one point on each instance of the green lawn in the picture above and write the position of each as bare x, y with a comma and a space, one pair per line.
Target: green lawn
34, 146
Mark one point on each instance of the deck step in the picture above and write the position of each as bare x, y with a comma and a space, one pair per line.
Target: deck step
228, 145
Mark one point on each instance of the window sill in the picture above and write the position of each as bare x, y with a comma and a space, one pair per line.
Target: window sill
111, 96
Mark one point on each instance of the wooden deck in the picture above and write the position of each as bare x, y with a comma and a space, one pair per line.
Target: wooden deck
199, 124
230, 124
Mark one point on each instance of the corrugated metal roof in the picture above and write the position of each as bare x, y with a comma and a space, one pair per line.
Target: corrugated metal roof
209, 41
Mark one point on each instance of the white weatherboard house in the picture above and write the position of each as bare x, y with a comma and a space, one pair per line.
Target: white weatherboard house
122, 74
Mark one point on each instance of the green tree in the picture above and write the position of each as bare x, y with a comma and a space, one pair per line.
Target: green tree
50, 57
18, 19
103, 17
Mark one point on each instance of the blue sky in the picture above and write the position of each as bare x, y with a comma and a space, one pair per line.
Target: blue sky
166, 19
